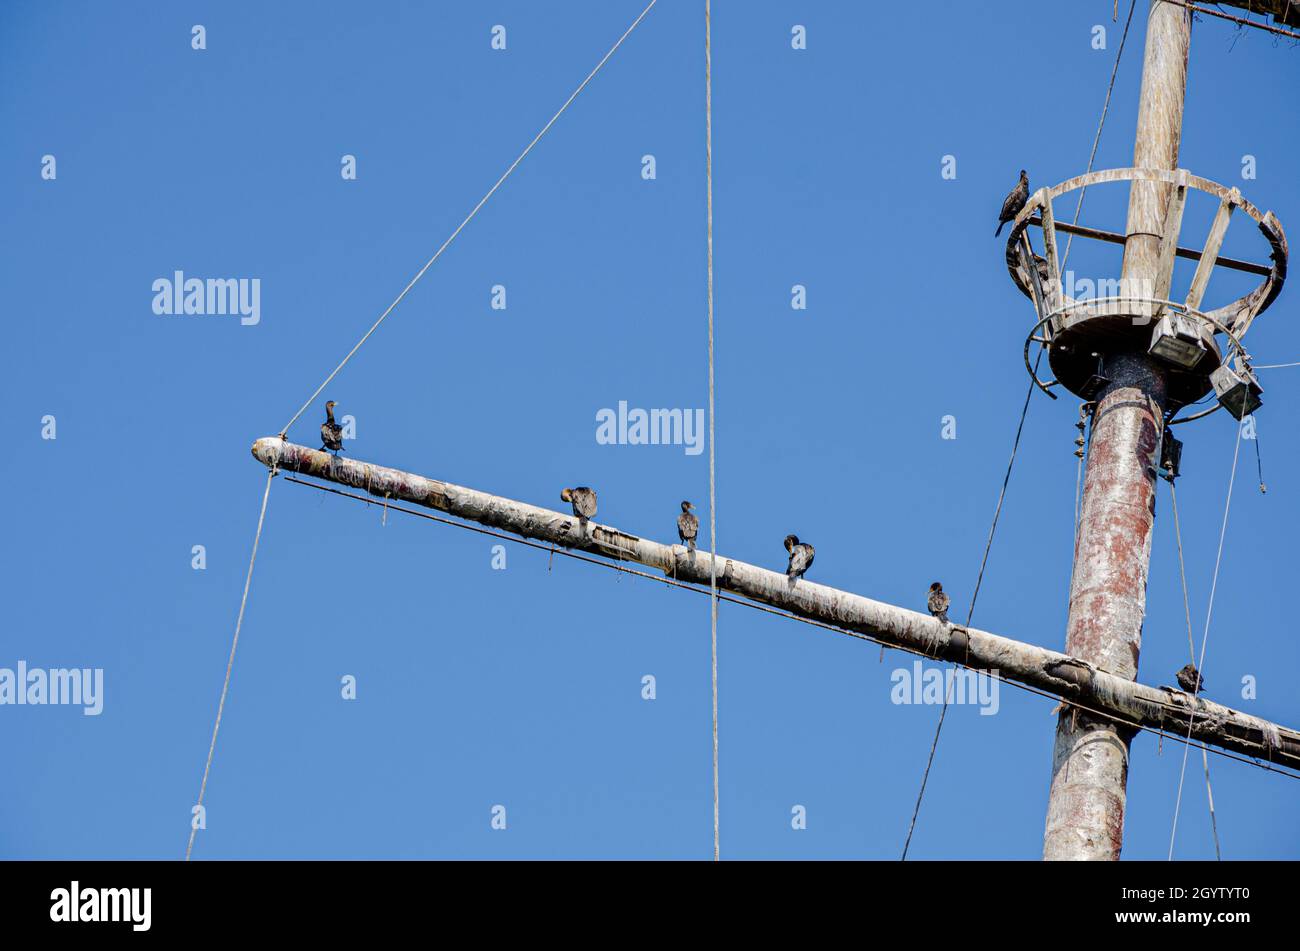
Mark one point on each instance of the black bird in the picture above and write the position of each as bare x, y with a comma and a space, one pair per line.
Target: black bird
688, 526
1040, 263
1190, 679
1014, 202
331, 433
583, 501
801, 557
938, 602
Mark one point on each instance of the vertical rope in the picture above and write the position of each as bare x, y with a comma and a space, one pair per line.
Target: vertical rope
713, 536
1078, 492
230, 664
1259, 463
1084, 417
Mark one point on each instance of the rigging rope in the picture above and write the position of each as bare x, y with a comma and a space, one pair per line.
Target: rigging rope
713, 537
1191, 649
482, 201
375, 326
1205, 637
1259, 463
997, 512
1078, 476
943, 712
1097, 138
230, 664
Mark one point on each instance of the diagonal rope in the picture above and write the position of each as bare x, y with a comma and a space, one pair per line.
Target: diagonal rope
1092, 157
1191, 649
1096, 139
230, 664
997, 512
1205, 637
1182, 573
482, 201
713, 535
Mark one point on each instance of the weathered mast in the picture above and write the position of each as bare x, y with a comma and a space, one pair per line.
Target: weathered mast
1137, 358
1085, 812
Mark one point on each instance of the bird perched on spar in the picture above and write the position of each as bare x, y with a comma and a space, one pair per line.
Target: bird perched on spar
688, 526
937, 601
1190, 679
801, 557
1014, 202
583, 500
331, 433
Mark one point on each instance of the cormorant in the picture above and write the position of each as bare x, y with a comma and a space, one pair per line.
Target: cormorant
938, 602
1044, 275
1014, 202
1190, 679
688, 526
331, 433
583, 501
801, 557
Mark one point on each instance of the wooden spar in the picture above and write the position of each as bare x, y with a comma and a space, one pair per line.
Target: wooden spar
1190, 254
1158, 707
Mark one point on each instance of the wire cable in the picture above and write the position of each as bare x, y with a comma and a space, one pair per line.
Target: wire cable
1259, 462
1096, 139
482, 201
1191, 650
997, 512
1205, 637
230, 664
713, 533
1092, 157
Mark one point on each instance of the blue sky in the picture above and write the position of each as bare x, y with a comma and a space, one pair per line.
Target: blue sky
522, 687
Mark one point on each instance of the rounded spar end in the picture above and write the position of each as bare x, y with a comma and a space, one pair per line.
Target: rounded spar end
267, 450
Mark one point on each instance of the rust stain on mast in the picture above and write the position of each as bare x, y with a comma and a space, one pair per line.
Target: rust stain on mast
1085, 817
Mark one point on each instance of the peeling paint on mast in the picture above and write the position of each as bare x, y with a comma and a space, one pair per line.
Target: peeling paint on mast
1085, 813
